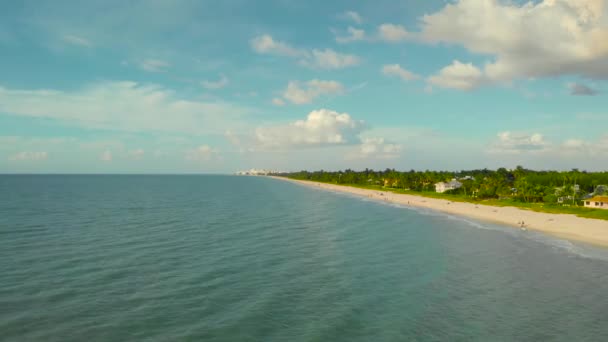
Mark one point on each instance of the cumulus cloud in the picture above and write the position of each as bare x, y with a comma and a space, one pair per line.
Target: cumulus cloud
528, 39
395, 70
579, 89
201, 153
298, 93
458, 76
278, 102
352, 16
106, 156
28, 156
575, 144
513, 142
315, 59
126, 106
265, 44
330, 59
154, 65
392, 33
320, 128
377, 148
590, 148
76, 40
353, 35
221, 83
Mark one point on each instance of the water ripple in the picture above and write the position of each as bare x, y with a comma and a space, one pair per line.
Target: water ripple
107, 258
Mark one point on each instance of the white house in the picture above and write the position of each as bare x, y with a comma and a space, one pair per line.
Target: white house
597, 202
442, 187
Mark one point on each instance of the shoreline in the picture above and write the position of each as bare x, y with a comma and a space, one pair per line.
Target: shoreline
566, 226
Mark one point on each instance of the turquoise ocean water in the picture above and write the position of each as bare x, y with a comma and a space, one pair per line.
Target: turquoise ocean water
223, 258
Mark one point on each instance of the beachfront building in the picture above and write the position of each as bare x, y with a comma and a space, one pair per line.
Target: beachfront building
255, 172
442, 187
597, 202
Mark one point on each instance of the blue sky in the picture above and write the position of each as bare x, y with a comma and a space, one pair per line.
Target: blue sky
207, 86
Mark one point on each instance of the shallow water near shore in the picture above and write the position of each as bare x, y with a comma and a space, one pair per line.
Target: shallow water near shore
576, 247
222, 258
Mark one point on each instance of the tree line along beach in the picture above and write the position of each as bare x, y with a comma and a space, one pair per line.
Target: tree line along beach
563, 220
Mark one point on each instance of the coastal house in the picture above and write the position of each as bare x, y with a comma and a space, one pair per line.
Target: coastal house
597, 202
442, 187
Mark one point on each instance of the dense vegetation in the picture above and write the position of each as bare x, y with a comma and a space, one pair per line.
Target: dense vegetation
537, 190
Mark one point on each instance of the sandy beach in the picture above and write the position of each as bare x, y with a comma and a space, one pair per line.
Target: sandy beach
565, 226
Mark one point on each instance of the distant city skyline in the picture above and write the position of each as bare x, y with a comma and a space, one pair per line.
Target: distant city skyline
216, 87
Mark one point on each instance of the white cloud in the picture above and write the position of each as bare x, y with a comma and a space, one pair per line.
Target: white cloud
358, 87
377, 148
299, 93
278, 102
531, 39
330, 59
458, 76
353, 35
106, 156
392, 33
320, 128
125, 106
201, 153
352, 16
579, 89
137, 154
29, 156
76, 40
589, 148
154, 65
513, 142
574, 144
265, 44
221, 83
397, 71
316, 59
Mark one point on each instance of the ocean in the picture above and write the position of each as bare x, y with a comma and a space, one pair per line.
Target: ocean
227, 258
